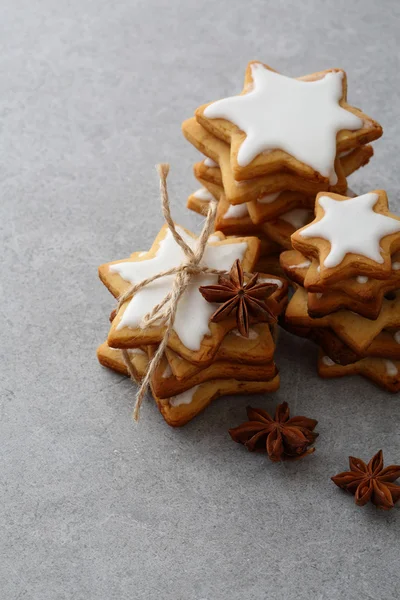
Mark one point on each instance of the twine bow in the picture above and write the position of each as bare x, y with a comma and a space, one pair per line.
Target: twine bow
164, 312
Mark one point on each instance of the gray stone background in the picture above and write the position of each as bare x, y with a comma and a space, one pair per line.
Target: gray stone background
92, 94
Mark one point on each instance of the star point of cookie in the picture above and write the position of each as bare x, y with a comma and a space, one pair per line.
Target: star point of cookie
351, 236
279, 122
193, 335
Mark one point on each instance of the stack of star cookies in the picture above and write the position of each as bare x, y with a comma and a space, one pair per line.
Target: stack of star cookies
346, 267
272, 148
222, 335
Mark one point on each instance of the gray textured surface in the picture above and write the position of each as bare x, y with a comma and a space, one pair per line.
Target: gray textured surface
92, 94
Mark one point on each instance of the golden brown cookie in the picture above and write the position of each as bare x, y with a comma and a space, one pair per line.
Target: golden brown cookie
199, 200
257, 349
366, 290
198, 342
383, 372
181, 409
245, 191
333, 298
271, 206
356, 331
165, 385
351, 237
282, 124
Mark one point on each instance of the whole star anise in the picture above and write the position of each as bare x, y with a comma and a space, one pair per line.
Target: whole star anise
371, 482
282, 438
246, 299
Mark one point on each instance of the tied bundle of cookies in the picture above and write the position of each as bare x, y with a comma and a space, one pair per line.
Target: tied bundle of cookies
272, 148
346, 266
193, 320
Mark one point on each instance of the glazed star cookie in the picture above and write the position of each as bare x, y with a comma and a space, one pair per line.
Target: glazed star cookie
245, 191
368, 301
356, 331
234, 220
256, 349
366, 290
273, 206
383, 372
282, 124
179, 410
197, 340
269, 206
351, 236
165, 384
359, 287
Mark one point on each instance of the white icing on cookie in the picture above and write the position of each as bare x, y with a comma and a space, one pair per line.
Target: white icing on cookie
237, 211
302, 265
252, 334
300, 117
142, 253
167, 373
136, 351
209, 162
391, 368
342, 154
297, 217
395, 266
328, 361
361, 279
168, 255
351, 226
204, 195
277, 282
185, 397
269, 198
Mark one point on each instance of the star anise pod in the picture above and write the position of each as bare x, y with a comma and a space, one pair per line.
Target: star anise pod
371, 482
281, 437
247, 300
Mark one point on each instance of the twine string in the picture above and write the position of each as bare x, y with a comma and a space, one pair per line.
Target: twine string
165, 311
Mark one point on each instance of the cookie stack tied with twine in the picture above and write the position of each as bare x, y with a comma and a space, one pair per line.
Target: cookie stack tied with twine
272, 148
193, 321
346, 267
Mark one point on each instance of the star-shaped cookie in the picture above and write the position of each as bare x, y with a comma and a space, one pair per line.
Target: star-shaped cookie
351, 236
356, 331
193, 336
279, 123
384, 372
359, 294
179, 410
269, 206
245, 191
361, 288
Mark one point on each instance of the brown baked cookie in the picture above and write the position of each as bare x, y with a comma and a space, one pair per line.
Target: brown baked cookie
281, 124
